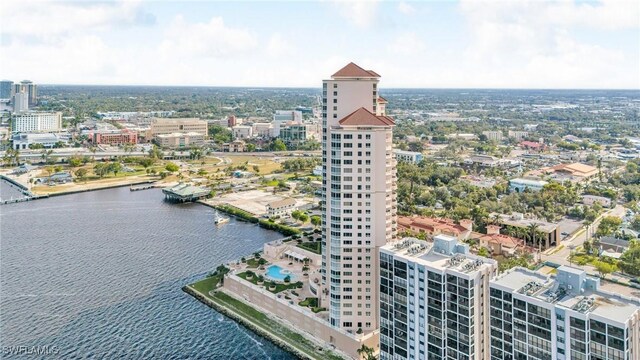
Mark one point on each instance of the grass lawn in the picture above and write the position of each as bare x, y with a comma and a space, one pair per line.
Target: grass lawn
313, 246
253, 262
312, 303
261, 320
206, 285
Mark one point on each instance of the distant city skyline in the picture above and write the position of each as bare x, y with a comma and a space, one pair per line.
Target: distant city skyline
445, 44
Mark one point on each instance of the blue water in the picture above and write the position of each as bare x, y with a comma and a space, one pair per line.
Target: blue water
275, 272
99, 275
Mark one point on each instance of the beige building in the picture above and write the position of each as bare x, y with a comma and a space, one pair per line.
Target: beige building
493, 135
242, 132
359, 197
36, 121
234, 146
282, 207
161, 126
180, 140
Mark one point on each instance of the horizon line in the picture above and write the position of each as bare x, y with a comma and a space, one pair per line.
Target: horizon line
320, 87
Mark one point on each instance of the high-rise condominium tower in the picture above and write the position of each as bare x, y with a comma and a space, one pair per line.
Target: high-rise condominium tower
359, 196
29, 88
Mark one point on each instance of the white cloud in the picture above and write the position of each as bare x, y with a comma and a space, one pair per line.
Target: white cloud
50, 21
278, 46
406, 8
408, 43
532, 44
213, 39
361, 13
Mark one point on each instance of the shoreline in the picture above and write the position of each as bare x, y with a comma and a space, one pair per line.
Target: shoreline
71, 192
241, 320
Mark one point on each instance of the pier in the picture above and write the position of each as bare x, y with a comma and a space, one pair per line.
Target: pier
143, 187
185, 193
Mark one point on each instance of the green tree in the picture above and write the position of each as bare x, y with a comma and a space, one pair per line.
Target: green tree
101, 169
251, 147
115, 168
304, 217
483, 252
81, 174
75, 161
316, 220
608, 225
604, 268
172, 167
278, 145
630, 259
365, 352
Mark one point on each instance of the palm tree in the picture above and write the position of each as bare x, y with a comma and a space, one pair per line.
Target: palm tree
366, 352
533, 230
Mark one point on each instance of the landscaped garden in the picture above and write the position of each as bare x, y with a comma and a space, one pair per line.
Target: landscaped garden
312, 303
273, 286
313, 246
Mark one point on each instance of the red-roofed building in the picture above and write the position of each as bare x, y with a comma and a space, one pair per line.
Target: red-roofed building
435, 226
363, 117
359, 190
352, 70
500, 244
534, 146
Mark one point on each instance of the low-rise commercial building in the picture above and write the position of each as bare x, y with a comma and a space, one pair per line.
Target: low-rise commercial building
24, 141
234, 146
281, 208
520, 185
242, 132
547, 234
114, 137
408, 156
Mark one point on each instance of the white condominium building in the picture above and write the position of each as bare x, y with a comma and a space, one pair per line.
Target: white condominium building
534, 316
433, 300
358, 196
33, 121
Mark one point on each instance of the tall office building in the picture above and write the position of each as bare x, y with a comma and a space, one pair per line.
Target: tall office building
534, 316
358, 196
6, 89
20, 102
29, 88
433, 300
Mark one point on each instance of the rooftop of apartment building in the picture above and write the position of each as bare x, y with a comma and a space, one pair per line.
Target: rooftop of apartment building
445, 252
572, 289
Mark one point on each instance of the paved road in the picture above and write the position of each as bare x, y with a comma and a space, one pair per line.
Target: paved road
562, 256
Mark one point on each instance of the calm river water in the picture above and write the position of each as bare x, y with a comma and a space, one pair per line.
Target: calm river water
99, 275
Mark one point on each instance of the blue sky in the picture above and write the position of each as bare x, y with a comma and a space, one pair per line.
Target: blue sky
428, 44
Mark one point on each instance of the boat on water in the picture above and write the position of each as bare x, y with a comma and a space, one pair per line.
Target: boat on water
219, 220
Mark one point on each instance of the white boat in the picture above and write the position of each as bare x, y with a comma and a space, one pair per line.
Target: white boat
219, 220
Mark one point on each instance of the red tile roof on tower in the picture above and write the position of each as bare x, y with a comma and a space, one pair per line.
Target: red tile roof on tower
382, 100
365, 117
353, 70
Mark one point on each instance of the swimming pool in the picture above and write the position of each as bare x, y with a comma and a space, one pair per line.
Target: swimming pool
275, 272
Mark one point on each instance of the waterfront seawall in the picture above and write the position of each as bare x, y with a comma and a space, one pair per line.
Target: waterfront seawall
244, 322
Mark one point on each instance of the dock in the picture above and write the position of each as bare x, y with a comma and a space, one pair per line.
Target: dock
143, 187
185, 193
